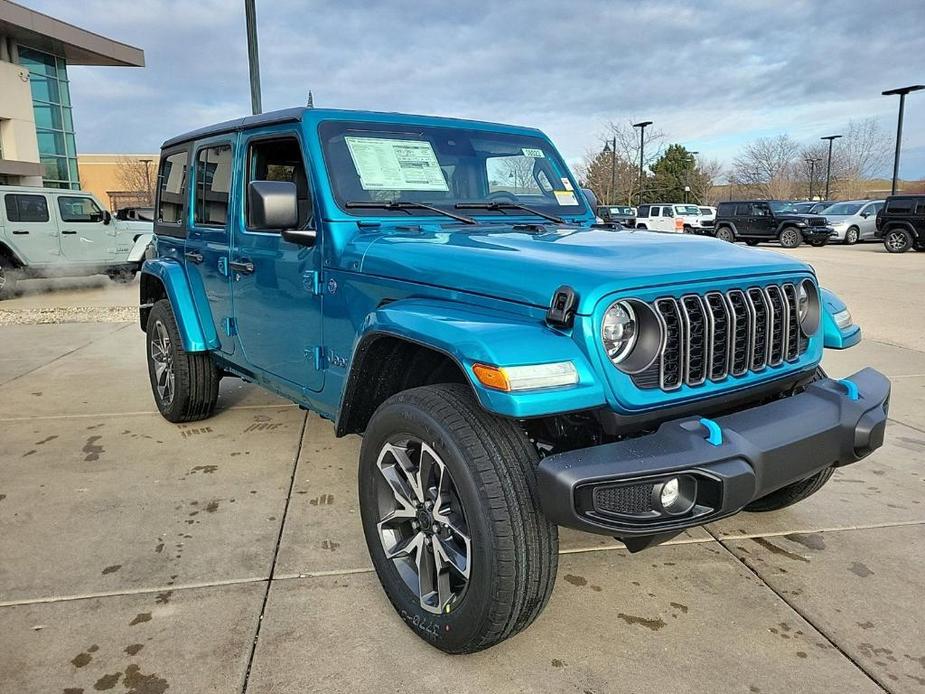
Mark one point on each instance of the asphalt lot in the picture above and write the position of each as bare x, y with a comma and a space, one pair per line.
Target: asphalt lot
141, 556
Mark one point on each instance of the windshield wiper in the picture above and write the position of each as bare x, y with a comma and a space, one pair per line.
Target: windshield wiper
406, 205
507, 206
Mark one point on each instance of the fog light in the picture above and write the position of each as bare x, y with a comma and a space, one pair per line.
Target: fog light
675, 496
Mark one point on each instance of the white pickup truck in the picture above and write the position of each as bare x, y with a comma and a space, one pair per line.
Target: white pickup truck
50, 232
672, 217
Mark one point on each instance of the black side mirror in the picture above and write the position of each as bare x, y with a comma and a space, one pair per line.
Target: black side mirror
591, 198
107, 217
272, 205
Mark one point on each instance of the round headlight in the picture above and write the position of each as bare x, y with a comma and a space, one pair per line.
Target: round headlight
808, 307
619, 331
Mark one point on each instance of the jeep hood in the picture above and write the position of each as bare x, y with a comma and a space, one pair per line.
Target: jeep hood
505, 263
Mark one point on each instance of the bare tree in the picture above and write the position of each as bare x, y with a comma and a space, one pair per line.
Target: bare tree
768, 166
703, 182
137, 178
600, 166
860, 155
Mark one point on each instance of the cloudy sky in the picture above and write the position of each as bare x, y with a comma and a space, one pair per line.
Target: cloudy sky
712, 75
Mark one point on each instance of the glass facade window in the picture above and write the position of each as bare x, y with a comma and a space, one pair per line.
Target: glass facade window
54, 123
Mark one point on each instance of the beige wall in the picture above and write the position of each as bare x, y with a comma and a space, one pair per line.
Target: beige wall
105, 176
17, 122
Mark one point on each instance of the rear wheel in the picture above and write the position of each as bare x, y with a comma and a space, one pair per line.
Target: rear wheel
121, 276
897, 241
790, 237
725, 234
451, 516
184, 384
792, 493
852, 236
9, 276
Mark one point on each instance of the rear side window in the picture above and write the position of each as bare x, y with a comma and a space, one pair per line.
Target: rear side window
725, 209
26, 208
171, 188
743, 210
74, 209
213, 185
920, 208
900, 206
643, 211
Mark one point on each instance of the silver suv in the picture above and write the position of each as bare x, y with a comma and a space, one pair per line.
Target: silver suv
854, 220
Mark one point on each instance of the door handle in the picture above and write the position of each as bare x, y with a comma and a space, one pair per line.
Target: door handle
19, 232
194, 257
245, 267
69, 233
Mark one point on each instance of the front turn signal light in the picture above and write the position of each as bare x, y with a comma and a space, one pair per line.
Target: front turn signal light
532, 377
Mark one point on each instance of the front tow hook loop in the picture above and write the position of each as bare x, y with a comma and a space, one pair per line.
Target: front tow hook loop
852, 389
714, 433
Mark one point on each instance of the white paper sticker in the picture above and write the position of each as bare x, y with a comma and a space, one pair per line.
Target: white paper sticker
533, 152
567, 183
386, 164
565, 197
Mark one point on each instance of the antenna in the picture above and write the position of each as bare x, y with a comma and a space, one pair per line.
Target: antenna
311, 102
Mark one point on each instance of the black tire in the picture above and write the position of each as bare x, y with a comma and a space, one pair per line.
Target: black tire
725, 234
790, 237
9, 277
514, 549
641, 226
817, 244
897, 240
852, 236
792, 493
195, 378
122, 276
752, 242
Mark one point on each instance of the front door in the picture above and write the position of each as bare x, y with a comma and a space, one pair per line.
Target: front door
207, 249
85, 235
31, 229
275, 284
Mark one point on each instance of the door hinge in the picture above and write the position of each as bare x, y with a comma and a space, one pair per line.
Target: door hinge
230, 326
316, 356
311, 281
223, 266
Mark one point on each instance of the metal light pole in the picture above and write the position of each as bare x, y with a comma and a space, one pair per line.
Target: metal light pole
902, 91
253, 61
687, 186
642, 140
812, 174
828, 167
613, 172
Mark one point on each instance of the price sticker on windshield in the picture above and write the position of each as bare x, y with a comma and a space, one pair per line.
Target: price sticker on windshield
536, 153
387, 164
566, 197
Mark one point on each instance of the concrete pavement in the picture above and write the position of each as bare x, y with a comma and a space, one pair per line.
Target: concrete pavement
226, 555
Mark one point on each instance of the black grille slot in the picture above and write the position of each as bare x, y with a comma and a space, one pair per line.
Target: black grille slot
721, 334
762, 328
672, 352
633, 499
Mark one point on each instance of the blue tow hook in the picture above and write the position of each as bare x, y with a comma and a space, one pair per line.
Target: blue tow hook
852, 389
714, 433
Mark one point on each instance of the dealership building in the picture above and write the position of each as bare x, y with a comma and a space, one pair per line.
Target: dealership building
37, 143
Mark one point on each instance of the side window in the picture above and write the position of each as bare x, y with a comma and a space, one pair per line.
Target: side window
899, 206
26, 208
656, 212
512, 174
171, 188
74, 209
280, 160
760, 210
920, 208
213, 185
643, 211
668, 211
743, 210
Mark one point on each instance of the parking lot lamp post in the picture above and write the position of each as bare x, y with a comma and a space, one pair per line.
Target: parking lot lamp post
902, 91
687, 187
828, 166
642, 142
613, 172
812, 174
253, 61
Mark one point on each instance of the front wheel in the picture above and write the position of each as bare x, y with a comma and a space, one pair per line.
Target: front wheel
792, 493
897, 241
790, 238
184, 384
451, 516
725, 234
852, 236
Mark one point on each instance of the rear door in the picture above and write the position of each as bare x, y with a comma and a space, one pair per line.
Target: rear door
276, 284
31, 229
761, 223
85, 235
208, 240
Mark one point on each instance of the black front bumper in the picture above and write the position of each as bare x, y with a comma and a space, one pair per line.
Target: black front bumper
755, 452
817, 234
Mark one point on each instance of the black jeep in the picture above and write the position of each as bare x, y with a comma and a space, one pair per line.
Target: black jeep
754, 221
901, 223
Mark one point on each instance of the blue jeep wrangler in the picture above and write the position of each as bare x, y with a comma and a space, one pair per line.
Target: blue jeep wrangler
439, 287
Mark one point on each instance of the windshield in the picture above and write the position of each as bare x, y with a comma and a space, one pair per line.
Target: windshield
782, 207
844, 208
444, 166
688, 209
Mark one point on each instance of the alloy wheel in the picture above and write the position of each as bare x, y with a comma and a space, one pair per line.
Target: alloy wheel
422, 525
896, 240
162, 356
851, 236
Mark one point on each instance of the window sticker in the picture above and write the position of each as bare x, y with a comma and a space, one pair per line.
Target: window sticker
566, 197
567, 183
385, 164
533, 152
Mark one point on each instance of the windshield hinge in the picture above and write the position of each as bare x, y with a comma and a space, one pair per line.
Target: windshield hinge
311, 281
561, 311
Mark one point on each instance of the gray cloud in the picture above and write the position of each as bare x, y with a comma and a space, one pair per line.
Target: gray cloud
711, 75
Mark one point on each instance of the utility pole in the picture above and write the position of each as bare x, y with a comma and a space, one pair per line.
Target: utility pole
828, 167
902, 91
253, 60
812, 174
642, 141
613, 172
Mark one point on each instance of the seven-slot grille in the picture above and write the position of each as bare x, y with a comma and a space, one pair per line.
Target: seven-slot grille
718, 334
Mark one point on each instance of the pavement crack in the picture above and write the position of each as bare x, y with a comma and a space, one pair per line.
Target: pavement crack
279, 540
803, 615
